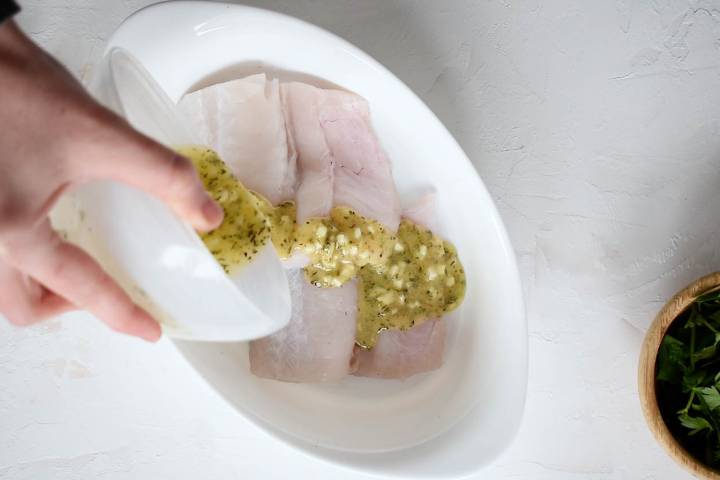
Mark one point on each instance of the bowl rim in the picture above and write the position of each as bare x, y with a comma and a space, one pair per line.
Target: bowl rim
646, 374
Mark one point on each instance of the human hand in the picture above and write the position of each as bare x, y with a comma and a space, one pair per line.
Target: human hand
53, 137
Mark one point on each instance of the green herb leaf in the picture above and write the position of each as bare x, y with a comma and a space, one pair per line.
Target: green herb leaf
711, 297
672, 359
695, 424
692, 379
692, 320
708, 351
710, 396
688, 375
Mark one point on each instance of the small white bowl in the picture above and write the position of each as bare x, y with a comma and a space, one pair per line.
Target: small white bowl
443, 424
158, 259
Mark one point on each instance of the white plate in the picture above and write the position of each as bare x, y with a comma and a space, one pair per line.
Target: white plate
444, 424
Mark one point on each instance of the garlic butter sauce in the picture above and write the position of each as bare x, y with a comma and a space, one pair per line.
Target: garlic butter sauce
404, 278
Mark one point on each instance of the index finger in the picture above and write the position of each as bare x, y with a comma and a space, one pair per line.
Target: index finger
120, 153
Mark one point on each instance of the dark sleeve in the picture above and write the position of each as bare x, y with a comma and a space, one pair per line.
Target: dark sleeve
8, 8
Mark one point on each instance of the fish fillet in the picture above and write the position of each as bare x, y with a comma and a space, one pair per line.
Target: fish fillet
398, 353
340, 163
363, 175
244, 122
401, 354
317, 344
339, 157
314, 159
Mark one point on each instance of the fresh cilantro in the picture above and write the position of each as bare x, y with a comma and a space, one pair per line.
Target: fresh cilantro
688, 378
695, 424
671, 360
710, 396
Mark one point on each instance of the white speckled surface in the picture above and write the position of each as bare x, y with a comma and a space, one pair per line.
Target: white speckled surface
595, 125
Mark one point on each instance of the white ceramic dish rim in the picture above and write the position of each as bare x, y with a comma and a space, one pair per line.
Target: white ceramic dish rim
391, 462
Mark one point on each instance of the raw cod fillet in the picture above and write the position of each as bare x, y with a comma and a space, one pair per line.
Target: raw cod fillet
244, 122
340, 160
340, 163
315, 162
294, 140
317, 344
363, 176
401, 354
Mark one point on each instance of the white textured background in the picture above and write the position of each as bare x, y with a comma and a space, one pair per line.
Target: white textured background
596, 126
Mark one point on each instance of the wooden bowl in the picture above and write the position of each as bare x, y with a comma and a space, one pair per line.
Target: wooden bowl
646, 373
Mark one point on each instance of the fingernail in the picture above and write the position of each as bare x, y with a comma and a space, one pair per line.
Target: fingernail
212, 212
147, 327
152, 333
